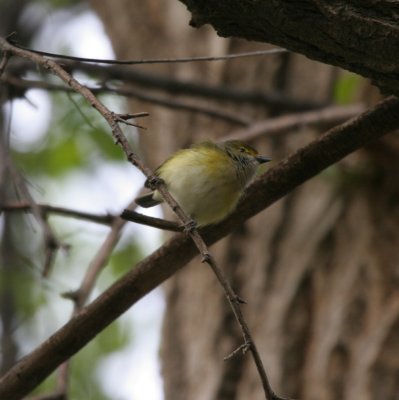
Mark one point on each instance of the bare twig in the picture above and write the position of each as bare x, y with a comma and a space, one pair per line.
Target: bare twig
80, 296
231, 296
51, 243
134, 115
174, 254
240, 349
321, 119
106, 219
214, 112
45, 209
158, 184
4, 61
133, 216
257, 53
101, 258
235, 306
121, 119
176, 86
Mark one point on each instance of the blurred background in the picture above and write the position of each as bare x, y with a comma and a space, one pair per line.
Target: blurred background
65, 156
318, 269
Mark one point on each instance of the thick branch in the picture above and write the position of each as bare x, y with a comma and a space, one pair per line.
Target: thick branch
361, 36
173, 255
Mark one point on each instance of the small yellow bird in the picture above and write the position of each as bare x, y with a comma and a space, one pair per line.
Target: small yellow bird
207, 179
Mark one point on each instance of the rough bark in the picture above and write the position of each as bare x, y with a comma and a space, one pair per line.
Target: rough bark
361, 36
318, 269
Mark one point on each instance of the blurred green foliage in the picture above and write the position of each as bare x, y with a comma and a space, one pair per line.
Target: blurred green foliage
346, 88
77, 141
129, 251
83, 378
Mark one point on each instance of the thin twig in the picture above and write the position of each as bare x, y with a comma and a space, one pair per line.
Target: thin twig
134, 216
175, 86
51, 242
4, 62
45, 209
134, 115
105, 219
122, 120
101, 258
81, 295
321, 119
160, 186
235, 306
243, 349
157, 60
214, 112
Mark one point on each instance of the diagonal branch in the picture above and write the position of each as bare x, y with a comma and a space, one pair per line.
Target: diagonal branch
174, 254
321, 119
156, 183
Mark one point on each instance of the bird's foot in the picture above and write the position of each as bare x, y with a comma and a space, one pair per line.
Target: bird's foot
153, 182
189, 226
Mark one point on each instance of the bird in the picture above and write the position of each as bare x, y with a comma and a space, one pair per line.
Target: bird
206, 179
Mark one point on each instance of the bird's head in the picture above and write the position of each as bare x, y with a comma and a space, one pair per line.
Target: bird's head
243, 152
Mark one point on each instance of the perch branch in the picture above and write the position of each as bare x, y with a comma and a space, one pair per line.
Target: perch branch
105, 219
112, 119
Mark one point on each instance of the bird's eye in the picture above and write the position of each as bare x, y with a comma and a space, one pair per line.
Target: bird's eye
242, 149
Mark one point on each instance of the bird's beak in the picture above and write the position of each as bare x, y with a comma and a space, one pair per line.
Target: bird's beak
262, 159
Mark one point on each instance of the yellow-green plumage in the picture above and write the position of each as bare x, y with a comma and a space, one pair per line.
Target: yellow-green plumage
207, 179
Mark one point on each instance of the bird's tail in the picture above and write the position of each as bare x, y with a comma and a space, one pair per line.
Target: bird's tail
147, 200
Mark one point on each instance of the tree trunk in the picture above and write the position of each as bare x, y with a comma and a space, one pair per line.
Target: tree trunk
318, 269
360, 36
